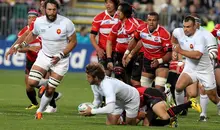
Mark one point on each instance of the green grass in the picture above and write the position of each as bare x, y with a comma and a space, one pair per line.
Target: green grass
75, 90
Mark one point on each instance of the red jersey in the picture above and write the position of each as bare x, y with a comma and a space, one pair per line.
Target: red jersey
30, 55
102, 24
141, 93
156, 44
176, 66
216, 33
122, 33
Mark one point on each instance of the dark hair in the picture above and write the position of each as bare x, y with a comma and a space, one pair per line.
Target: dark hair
126, 9
189, 18
95, 70
116, 3
51, 2
154, 14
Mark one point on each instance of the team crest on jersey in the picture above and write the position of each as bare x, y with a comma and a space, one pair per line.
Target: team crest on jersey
191, 46
156, 39
58, 31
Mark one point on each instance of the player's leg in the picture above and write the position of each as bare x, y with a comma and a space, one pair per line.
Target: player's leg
132, 108
57, 73
30, 91
137, 70
161, 78
54, 81
172, 79
204, 99
39, 69
217, 78
184, 80
147, 76
209, 83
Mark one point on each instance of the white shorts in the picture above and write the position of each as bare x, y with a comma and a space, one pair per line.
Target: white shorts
207, 79
44, 62
131, 107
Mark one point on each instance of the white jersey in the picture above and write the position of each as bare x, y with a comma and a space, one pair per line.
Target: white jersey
114, 90
53, 34
197, 42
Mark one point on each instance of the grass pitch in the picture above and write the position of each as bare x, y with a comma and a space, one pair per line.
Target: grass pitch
75, 90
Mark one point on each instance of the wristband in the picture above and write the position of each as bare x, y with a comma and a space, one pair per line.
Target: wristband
62, 54
160, 61
127, 52
109, 60
24, 44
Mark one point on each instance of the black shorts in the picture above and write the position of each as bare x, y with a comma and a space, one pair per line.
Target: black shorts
28, 66
152, 96
147, 68
134, 67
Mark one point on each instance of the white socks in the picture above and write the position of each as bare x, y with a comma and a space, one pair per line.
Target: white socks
204, 99
44, 102
179, 96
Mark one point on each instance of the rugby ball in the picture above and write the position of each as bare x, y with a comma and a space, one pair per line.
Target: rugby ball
83, 106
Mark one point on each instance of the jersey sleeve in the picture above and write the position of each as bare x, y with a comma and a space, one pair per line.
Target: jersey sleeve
70, 28
137, 33
166, 40
96, 23
35, 29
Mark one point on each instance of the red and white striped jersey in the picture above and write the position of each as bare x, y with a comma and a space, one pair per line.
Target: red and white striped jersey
156, 44
102, 24
122, 33
176, 66
216, 33
30, 55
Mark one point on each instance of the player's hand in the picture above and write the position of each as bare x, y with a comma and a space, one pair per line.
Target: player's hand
56, 58
110, 65
176, 48
11, 51
128, 59
154, 63
100, 52
34, 48
124, 59
87, 112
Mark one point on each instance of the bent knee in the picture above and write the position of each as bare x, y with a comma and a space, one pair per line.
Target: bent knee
32, 83
165, 117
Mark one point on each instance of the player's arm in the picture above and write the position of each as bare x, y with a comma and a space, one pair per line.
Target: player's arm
110, 41
21, 38
190, 54
94, 32
97, 98
198, 51
136, 49
71, 45
110, 99
16, 43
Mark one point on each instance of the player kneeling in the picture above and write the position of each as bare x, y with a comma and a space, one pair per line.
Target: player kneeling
118, 96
